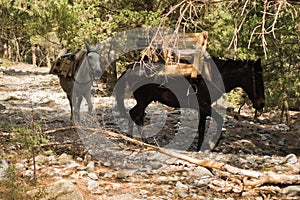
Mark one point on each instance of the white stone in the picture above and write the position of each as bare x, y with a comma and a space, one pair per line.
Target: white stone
93, 176
90, 166
181, 186
3, 167
291, 159
92, 185
63, 190
64, 159
293, 190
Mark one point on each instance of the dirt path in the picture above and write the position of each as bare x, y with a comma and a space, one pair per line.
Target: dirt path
28, 93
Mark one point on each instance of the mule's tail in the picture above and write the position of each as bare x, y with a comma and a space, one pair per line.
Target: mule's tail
119, 94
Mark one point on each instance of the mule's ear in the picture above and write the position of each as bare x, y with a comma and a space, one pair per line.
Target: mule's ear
87, 46
97, 47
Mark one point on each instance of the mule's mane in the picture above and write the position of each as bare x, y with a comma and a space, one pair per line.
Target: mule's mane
77, 61
79, 55
231, 60
231, 64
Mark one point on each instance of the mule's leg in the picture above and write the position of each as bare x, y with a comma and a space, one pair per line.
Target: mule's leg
76, 111
201, 129
130, 127
71, 106
89, 102
219, 120
137, 115
134, 117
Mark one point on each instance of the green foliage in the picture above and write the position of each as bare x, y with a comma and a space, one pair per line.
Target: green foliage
6, 126
27, 139
220, 26
282, 67
13, 186
48, 17
234, 98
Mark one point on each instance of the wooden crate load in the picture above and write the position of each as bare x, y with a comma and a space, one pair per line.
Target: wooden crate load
66, 65
184, 53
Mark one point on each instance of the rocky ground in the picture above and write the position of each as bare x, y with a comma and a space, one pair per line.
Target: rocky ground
81, 161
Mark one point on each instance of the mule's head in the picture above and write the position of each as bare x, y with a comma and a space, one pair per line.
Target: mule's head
255, 87
93, 59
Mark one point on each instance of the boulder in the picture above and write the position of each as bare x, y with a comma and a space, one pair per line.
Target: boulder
60, 190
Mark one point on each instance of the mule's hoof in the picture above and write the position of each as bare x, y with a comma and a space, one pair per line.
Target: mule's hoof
145, 140
72, 123
76, 120
129, 135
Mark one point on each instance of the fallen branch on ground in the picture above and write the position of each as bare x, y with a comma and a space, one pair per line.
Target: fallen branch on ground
250, 178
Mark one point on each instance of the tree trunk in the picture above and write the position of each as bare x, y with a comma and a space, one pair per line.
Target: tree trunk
48, 60
285, 112
18, 56
5, 50
112, 77
284, 106
9, 51
33, 55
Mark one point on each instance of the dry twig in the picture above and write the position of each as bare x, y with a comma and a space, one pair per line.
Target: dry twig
191, 11
249, 178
